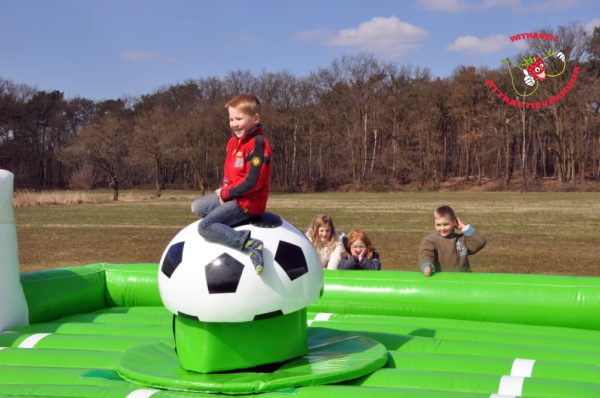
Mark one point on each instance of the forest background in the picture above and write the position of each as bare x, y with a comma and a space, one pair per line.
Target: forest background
359, 124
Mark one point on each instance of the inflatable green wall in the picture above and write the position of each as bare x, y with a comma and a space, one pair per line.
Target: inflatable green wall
452, 335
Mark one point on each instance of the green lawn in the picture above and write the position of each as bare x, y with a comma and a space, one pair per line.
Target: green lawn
551, 233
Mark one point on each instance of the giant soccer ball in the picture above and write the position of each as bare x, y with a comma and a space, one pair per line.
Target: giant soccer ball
214, 283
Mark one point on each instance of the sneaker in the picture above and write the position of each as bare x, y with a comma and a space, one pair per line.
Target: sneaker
254, 248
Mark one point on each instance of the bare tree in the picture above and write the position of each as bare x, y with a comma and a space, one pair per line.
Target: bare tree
105, 143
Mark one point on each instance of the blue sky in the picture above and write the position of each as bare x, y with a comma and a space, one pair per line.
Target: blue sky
102, 49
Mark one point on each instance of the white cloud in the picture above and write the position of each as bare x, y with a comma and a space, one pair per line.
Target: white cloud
444, 5
385, 37
553, 5
313, 35
477, 45
146, 56
517, 6
589, 27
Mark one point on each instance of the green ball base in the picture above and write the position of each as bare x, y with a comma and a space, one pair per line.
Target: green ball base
333, 356
207, 347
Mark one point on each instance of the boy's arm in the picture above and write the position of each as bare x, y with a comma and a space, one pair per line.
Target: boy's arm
256, 173
473, 239
427, 256
224, 180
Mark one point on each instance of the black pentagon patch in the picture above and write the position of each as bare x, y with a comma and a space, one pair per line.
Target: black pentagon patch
172, 259
223, 274
291, 259
268, 315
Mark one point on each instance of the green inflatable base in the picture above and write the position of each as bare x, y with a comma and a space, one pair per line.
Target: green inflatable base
333, 356
207, 347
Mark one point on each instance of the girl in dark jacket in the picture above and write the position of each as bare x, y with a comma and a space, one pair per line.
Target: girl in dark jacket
362, 253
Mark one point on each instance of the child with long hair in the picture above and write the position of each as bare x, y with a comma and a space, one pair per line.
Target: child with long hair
362, 253
327, 242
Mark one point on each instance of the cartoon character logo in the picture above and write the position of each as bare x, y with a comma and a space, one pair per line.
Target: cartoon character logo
535, 70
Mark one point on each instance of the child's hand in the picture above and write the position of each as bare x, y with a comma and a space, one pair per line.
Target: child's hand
359, 251
428, 270
459, 224
218, 192
361, 254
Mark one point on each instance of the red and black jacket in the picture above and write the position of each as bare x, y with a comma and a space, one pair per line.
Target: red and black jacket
247, 171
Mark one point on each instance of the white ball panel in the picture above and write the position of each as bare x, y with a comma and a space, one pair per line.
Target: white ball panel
186, 290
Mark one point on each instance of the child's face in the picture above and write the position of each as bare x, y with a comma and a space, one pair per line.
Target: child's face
358, 248
324, 233
240, 122
444, 225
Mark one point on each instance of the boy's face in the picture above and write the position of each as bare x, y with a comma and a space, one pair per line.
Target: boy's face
444, 225
240, 122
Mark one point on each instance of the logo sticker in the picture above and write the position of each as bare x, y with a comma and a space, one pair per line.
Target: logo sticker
256, 161
528, 74
461, 249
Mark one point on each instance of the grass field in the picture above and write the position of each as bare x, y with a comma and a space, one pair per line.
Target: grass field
545, 233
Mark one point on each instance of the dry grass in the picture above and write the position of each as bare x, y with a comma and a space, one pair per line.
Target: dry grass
30, 198
26, 198
546, 233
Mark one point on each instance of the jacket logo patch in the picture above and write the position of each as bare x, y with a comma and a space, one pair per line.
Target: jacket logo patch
256, 161
239, 162
461, 249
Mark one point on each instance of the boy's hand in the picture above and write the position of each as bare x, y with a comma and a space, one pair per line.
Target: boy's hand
459, 224
218, 192
427, 270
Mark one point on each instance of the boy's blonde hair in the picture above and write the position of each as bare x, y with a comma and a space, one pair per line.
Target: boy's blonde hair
356, 235
444, 211
247, 103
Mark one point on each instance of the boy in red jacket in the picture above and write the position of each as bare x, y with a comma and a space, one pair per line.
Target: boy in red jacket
245, 188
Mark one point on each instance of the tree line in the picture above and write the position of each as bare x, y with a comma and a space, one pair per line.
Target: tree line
360, 121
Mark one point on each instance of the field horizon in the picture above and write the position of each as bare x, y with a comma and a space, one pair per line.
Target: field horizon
531, 233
